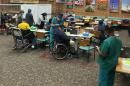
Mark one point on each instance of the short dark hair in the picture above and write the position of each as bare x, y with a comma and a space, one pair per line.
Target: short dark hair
29, 10
110, 29
44, 14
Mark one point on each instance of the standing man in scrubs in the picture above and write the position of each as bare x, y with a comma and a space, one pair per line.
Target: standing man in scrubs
56, 23
109, 52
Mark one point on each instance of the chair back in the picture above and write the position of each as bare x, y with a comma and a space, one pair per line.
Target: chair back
84, 42
66, 24
40, 35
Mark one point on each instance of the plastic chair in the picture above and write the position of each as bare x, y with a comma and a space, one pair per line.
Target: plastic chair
84, 44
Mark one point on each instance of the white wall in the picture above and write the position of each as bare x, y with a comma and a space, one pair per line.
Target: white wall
37, 10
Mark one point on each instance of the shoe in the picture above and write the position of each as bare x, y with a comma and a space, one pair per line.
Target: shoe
69, 56
32, 46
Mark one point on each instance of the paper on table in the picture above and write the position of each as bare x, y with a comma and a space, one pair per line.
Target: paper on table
127, 61
89, 28
41, 30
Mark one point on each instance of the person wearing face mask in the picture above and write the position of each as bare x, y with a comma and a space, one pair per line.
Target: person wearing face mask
56, 22
109, 51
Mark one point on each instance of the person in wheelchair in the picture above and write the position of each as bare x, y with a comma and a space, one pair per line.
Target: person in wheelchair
61, 37
56, 21
27, 34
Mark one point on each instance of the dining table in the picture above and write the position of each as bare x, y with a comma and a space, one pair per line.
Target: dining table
120, 66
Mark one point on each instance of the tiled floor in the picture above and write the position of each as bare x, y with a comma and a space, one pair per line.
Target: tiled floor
38, 68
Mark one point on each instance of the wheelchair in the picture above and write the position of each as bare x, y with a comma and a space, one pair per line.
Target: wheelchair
20, 41
60, 51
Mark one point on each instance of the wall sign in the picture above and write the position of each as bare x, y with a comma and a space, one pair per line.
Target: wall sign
114, 5
79, 2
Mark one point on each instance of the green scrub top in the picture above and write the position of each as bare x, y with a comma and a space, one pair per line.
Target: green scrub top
111, 47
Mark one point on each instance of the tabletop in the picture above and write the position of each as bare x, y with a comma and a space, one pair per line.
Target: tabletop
39, 30
79, 35
120, 68
79, 23
89, 28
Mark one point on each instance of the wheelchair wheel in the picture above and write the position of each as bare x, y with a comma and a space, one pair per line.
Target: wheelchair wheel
60, 51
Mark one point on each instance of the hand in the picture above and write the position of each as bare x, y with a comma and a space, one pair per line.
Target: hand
97, 48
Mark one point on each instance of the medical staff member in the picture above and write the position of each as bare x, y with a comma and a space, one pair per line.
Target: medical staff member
109, 52
56, 22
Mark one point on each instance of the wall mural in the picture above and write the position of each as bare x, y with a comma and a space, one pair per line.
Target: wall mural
125, 6
24, 1
114, 5
102, 4
90, 5
60, 1
79, 2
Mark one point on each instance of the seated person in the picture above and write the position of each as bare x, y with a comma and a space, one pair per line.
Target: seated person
42, 20
48, 25
25, 29
61, 37
71, 19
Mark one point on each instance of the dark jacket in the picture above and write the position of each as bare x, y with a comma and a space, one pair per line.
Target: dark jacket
29, 19
61, 37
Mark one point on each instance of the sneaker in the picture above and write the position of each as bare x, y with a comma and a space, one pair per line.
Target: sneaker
32, 46
69, 56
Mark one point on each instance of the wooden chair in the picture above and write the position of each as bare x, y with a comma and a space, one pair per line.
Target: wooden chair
66, 24
82, 30
41, 38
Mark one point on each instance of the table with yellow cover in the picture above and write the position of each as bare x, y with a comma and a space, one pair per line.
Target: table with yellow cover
123, 65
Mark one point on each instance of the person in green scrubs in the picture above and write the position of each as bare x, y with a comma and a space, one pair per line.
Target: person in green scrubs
56, 22
109, 51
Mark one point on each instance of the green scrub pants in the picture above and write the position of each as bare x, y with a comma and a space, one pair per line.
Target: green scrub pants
51, 37
106, 77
